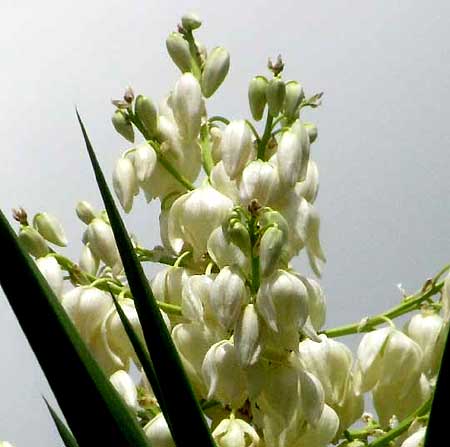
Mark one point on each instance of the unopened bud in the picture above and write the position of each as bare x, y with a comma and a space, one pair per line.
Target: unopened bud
88, 261
178, 50
215, 70
275, 94
270, 250
144, 161
311, 128
122, 125
257, 96
124, 385
289, 158
247, 337
147, 113
125, 183
52, 272
49, 227
302, 133
238, 233
294, 96
85, 212
191, 21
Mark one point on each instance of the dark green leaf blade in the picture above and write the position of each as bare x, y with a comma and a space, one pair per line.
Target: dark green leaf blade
437, 431
64, 432
94, 411
188, 424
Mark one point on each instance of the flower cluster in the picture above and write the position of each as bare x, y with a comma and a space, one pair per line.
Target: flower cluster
247, 326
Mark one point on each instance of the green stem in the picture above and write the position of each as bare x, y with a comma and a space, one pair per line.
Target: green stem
403, 426
266, 136
205, 144
146, 255
255, 132
254, 256
220, 119
195, 55
410, 303
107, 284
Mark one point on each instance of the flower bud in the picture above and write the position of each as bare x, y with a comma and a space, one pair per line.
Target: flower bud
125, 183
289, 158
194, 216
294, 96
236, 147
259, 181
224, 378
311, 128
224, 252
178, 50
147, 113
228, 295
257, 96
275, 94
33, 242
309, 187
124, 385
188, 106
144, 161
239, 235
103, 244
191, 21
88, 261
282, 302
247, 337
270, 250
87, 307
388, 357
52, 272
123, 125
49, 227
168, 284
215, 70
235, 433
85, 212
417, 439
428, 330
158, 433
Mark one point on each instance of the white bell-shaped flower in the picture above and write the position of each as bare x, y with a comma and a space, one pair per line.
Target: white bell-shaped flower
309, 187
85, 212
52, 272
187, 105
225, 253
228, 295
282, 302
50, 228
236, 147
331, 362
388, 402
193, 341
221, 181
416, 439
88, 261
124, 385
87, 307
235, 433
167, 285
388, 357
247, 336
259, 181
302, 133
195, 303
194, 216
316, 302
323, 432
289, 158
223, 376
158, 432
125, 183
144, 161
103, 245
428, 330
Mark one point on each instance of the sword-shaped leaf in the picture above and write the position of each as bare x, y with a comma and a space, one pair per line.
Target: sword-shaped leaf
64, 432
188, 425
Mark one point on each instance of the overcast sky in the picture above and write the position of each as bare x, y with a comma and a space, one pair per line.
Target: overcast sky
383, 147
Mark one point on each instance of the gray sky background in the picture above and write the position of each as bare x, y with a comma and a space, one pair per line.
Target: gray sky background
383, 147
